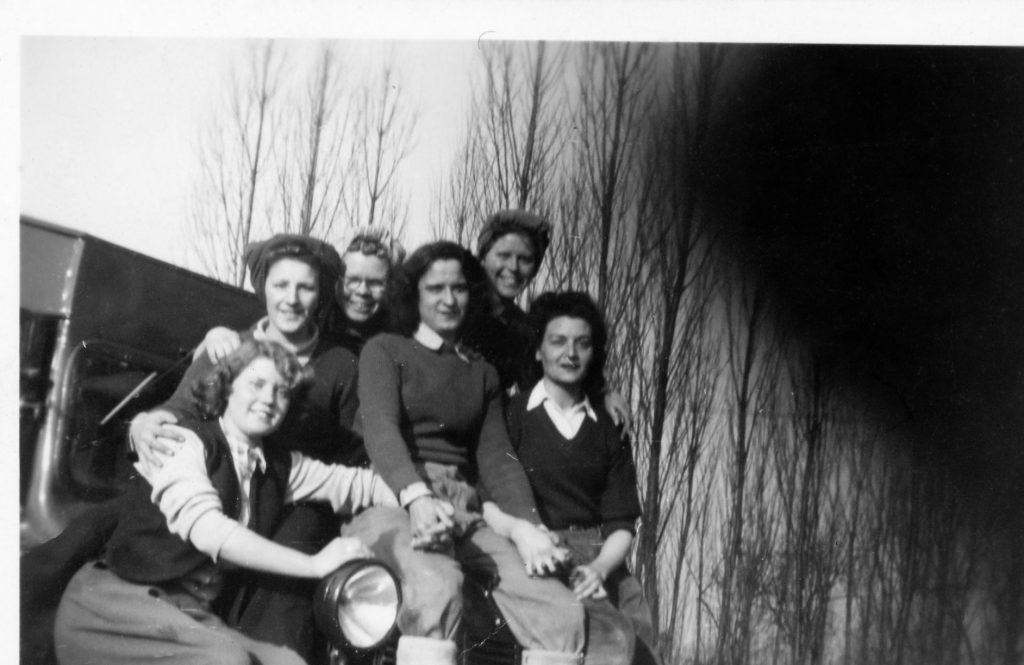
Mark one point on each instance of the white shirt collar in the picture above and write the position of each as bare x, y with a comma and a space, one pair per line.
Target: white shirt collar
244, 453
539, 395
428, 338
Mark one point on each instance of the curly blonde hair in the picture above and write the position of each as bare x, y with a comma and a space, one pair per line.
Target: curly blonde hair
210, 393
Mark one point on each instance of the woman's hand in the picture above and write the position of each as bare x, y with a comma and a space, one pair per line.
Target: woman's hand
587, 582
616, 406
431, 520
337, 552
538, 549
152, 435
220, 342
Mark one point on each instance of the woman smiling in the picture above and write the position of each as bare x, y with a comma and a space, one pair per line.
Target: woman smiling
196, 528
430, 410
295, 277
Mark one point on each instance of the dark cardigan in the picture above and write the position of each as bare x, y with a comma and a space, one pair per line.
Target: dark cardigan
143, 550
586, 481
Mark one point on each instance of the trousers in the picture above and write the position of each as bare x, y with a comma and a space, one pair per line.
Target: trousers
625, 604
541, 612
103, 619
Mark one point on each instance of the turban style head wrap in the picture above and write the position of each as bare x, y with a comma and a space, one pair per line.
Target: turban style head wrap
322, 257
533, 227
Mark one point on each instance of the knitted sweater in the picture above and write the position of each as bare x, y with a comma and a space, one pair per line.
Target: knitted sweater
588, 480
423, 405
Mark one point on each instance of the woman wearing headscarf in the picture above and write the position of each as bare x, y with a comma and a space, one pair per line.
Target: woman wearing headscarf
511, 247
361, 293
430, 411
295, 277
195, 528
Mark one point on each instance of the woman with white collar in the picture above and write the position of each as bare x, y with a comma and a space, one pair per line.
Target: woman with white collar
560, 424
430, 411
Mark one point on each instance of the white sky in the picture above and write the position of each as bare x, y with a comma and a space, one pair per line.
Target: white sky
109, 126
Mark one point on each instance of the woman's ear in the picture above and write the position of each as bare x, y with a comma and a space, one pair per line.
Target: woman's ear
536, 355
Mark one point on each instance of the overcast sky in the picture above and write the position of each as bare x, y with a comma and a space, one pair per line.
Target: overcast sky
109, 125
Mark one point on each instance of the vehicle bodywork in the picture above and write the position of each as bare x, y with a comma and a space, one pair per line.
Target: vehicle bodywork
96, 320
105, 330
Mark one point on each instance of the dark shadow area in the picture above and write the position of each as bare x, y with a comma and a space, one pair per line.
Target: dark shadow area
879, 191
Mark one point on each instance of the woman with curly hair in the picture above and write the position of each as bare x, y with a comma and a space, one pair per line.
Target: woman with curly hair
295, 277
198, 526
430, 412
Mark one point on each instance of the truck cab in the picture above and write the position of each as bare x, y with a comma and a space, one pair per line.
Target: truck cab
105, 333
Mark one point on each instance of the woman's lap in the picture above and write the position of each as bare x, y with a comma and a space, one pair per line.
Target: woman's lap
542, 612
103, 619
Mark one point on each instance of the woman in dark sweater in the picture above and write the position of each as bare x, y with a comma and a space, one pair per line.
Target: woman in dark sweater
295, 277
196, 527
511, 247
555, 427
430, 412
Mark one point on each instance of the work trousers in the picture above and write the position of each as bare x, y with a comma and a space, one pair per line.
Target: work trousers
105, 620
541, 612
624, 605
278, 608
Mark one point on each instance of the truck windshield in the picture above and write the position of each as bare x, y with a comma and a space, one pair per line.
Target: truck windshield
103, 375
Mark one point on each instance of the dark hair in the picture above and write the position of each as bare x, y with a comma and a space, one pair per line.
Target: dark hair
405, 283
577, 305
261, 256
210, 393
534, 228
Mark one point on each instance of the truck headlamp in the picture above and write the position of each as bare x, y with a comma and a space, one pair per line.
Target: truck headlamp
357, 605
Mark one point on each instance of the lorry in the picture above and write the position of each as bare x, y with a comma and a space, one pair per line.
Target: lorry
105, 333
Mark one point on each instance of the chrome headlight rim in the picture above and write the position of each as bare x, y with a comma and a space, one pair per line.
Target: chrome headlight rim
326, 602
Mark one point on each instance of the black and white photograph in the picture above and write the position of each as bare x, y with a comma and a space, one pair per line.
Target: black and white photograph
542, 339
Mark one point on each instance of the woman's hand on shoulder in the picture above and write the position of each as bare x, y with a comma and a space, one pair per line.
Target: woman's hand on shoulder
337, 552
220, 342
616, 406
152, 435
537, 547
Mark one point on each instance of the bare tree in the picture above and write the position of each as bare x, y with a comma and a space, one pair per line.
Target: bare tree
751, 361
613, 86
314, 155
386, 127
331, 150
508, 156
233, 157
678, 251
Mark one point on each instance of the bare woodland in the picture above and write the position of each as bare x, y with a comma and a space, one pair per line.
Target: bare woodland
780, 525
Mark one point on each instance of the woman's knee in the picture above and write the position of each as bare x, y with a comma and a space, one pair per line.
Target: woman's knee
610, 636
432, 579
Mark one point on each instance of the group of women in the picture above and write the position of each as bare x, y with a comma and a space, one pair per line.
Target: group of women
409, 366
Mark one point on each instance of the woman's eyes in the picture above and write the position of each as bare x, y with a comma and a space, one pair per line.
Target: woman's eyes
304, 286
279, 391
